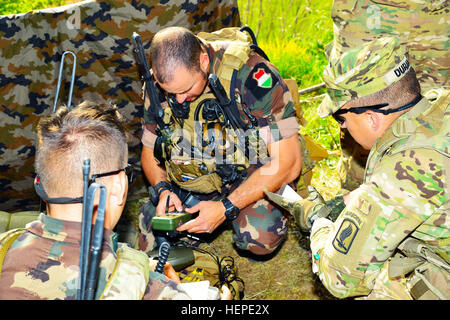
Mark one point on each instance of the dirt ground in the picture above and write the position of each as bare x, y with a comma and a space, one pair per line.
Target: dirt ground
287, 275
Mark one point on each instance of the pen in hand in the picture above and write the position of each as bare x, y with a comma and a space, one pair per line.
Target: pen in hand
167, 204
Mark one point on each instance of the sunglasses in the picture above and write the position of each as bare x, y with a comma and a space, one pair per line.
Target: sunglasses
64, 200
375, 108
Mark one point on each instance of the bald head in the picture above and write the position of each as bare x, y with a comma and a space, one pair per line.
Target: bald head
172, 48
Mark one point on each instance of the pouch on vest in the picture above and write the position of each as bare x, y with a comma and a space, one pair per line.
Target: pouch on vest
189, 177
431, 274
130, 276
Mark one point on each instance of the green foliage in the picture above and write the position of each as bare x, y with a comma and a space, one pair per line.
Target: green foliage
14, 6
293, 34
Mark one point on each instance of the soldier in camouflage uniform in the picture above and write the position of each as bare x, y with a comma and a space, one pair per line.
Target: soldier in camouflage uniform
260, 97
43, 262
99, 34
421, 26
391, 241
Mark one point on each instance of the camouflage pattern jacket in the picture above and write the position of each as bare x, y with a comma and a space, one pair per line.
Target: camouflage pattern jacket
43, 263
404, 196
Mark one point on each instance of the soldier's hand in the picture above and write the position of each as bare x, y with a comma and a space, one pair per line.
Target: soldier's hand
174, 203
313, 207
211, 215
169, 271
225, 293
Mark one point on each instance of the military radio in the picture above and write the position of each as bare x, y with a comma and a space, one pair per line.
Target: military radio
171, 221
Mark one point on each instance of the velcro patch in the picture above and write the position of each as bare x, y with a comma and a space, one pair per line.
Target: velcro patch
261, 80
345, 236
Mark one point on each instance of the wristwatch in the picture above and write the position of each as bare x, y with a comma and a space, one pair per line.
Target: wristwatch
161, 186
231, 211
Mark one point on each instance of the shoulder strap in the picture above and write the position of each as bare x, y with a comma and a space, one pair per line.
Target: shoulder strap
237, 44
428, 130
6, 240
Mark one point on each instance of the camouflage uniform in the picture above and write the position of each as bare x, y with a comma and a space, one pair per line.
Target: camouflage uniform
422, 26
393, 236
43, 263
99, 34
260, 227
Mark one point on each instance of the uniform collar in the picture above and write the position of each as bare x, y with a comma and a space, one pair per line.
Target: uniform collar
65, 231
215, 58
404, 124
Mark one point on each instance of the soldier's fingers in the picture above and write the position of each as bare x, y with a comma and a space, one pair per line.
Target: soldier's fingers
194, 226
176, 202
170, 273
225, 293
193, 209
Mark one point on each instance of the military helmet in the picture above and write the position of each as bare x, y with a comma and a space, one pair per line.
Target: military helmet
361, 71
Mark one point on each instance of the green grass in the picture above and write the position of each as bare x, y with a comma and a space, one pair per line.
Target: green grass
22, 6
293, 34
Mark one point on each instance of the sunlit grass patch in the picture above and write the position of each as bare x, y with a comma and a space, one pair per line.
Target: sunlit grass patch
15, 6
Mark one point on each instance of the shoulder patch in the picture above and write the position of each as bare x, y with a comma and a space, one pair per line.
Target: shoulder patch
345, 236
261, 80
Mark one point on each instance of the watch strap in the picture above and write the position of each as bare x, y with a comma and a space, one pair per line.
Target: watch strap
161, 186
231, 211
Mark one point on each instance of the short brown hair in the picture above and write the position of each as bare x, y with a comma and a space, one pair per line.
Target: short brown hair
172, 48
66, 138
397, 94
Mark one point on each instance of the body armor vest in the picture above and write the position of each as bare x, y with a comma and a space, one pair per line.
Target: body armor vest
202, 151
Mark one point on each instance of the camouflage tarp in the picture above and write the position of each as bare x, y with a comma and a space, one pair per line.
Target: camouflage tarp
99, 33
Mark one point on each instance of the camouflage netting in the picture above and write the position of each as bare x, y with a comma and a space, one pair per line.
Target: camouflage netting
99, 33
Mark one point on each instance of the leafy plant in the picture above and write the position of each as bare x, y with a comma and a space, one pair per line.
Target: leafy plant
294, 34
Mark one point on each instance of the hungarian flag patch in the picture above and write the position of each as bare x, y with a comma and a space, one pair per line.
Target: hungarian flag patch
261, 80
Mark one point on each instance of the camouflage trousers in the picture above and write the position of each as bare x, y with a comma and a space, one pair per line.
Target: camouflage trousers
260, 227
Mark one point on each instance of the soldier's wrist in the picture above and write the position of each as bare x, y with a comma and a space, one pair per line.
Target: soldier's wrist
162, 186
320, 210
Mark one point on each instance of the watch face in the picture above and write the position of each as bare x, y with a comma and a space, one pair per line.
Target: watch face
231, 215
231, 211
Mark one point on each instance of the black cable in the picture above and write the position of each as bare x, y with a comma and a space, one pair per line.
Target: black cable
163, 255
226, 267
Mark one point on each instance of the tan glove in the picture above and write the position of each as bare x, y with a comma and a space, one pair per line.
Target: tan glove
304, 211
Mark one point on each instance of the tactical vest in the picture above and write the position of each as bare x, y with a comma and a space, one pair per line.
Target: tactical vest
205, 154
430, 262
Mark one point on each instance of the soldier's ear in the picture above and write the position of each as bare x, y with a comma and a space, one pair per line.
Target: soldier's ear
117, 196
204, 61
374, 120
119, 188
